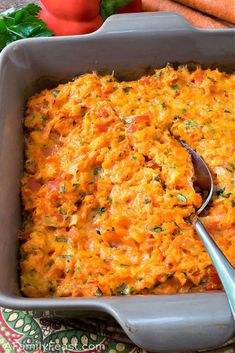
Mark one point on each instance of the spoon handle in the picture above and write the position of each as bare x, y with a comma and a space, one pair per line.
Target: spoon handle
224, 268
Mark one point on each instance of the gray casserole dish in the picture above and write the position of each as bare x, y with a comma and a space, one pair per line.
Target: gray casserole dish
127, 44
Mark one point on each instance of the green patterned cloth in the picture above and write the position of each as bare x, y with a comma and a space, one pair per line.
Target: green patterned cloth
23, 332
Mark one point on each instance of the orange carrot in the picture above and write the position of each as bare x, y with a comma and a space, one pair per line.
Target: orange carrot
222, 9
192, 16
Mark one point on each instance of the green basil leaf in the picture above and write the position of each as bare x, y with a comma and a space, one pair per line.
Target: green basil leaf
156, 229
97, 169
231, 167
21, 23
175, 87
101, 210
181, 197
122, 290
62, 189
190, 123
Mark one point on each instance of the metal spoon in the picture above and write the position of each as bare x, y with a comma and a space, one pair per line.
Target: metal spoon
224, 268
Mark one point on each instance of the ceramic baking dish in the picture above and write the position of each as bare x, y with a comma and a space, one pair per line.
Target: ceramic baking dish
127, 44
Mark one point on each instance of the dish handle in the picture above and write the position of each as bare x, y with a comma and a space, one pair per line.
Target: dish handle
144, 21
174, 323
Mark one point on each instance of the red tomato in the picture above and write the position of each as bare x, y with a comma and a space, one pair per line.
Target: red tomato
64, 27
82, 10
134, 6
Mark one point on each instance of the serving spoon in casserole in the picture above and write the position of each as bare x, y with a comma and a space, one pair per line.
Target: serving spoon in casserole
224, 268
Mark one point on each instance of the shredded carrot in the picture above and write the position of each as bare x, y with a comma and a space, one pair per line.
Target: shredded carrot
108, 191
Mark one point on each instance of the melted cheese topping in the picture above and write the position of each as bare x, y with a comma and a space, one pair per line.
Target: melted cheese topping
108, 191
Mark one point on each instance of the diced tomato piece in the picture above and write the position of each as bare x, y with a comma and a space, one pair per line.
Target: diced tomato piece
138, 122
102, 127
198, 79
33, 184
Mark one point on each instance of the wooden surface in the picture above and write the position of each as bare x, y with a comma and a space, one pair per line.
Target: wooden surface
6, 4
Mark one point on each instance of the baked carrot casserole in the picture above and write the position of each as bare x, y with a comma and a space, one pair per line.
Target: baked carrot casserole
108, 191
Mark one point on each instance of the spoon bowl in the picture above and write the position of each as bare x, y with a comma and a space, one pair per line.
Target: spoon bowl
203, 178
225, 270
